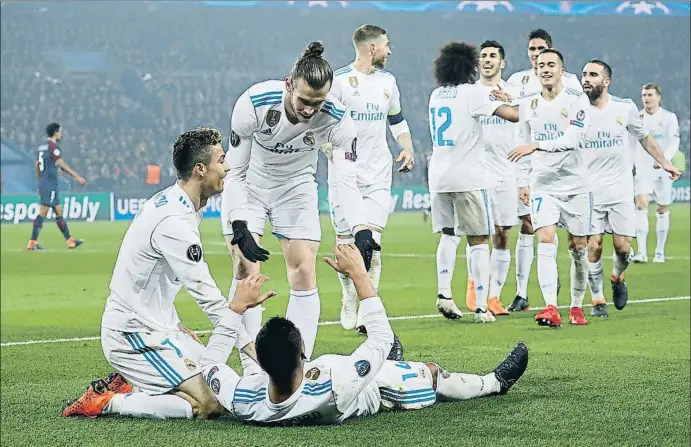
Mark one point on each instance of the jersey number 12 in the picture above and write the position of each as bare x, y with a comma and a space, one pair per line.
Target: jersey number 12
438, 130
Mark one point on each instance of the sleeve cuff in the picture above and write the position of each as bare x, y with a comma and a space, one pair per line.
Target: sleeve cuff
370, 305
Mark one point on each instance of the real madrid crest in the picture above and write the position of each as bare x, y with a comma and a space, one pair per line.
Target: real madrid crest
273, 117
386, 94
564, 113
353, 81
308, 139
190, 364
620, 121
533, 104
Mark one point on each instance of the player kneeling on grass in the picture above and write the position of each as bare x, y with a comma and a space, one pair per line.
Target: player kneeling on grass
141, 333
333, 388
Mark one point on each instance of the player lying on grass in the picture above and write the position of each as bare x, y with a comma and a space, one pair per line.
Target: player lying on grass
333, 388
141, 334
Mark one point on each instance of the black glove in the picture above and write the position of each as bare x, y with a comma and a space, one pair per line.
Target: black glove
246, 243
366, 245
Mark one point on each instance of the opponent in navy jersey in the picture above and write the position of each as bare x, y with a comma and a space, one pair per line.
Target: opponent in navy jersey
48, 160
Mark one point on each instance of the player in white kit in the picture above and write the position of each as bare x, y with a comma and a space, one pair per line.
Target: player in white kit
277, 130
528, 81
610, 139
333, 388
461, 203
559, 189
373, 100
664, 126
141, 334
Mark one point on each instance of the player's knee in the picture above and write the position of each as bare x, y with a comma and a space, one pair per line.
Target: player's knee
578, 243
622, 247
477, 240
207, 409
500, 238
526, 225
662, 209
594, 248
448, 231
301, 275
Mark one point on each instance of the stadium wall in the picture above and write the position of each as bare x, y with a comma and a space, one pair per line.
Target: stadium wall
90, 207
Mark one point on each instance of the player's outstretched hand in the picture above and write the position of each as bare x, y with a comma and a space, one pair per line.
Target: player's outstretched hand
246, 243
81, 180
524, 195
194, 336
522, 151
501, 94
247, 294
407, 160
367, 246
347, 260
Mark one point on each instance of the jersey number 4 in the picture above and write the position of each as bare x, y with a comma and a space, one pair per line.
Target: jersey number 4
444, 113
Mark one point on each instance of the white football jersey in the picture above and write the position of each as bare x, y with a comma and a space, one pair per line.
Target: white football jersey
160, 253
528, 82
664, 126
458, 148
333, 389
542, 120
500, 139
610, 142
370, 99
267, 151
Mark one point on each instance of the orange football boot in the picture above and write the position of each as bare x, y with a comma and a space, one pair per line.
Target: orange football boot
576, 317
118, 384
92, 402
495, 306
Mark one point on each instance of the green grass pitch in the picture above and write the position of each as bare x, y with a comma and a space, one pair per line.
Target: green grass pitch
622, 381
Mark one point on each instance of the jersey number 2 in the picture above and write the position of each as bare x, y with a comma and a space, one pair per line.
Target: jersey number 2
438, 132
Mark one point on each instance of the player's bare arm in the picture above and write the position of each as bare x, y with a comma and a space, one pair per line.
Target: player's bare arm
65, 167
651, 147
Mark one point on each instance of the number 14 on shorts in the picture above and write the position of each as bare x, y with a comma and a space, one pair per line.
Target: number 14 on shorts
404, 365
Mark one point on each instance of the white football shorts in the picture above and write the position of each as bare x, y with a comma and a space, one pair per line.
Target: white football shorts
658, 185
503, 203
377, 201
292, 210
405, 385
468, 213
616, 218
156, 362
574, 211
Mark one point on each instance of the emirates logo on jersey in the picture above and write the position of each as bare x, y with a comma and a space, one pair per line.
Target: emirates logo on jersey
353, 81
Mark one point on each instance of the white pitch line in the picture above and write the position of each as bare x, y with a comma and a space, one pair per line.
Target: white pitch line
328, 323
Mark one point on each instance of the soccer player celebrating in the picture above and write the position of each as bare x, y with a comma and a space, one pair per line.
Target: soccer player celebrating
612, 121
141, 334
528, 81
333, 388
664, 126
559, 190
372, 98
461, 204
277, 129
48, 160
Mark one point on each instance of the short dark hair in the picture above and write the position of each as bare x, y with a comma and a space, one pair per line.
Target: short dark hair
539, 33
366, 33
456, 64
52, 129
311, 67
553, 51
605, 65
653, 86
279, 350
493, 44
193, 147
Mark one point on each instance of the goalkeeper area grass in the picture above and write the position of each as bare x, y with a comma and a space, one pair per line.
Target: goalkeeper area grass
619, 381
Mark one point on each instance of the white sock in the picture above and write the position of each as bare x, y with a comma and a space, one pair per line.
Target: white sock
142, 405
480, 267
303, 310
662, 231
347, 287
547, 272
595, 280
252, 320
621, 263
467, 262
375, 267
579, 276
458, 386
524, 262
642, 231
446, 263
500, 261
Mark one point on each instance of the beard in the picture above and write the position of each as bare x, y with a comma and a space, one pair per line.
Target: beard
379, 63
595, 92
